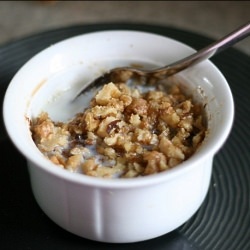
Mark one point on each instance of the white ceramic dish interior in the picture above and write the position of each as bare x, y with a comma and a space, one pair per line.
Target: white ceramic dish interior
113, 210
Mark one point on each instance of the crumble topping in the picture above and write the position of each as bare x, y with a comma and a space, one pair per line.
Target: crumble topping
124, 133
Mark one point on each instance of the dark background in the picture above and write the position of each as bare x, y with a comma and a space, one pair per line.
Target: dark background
223, 220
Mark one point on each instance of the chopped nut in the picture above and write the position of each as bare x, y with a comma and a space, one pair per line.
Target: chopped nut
103, 111
103, 129
88, 165
91, 122
108, 92
138, 106
135, 120
156, 162
73, 162
170, 150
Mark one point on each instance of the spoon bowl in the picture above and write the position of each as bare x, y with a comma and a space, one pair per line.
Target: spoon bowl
173, 68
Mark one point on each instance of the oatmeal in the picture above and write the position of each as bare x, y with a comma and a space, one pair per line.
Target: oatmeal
124, 133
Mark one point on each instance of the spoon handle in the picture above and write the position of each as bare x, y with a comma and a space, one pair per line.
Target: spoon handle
209, 51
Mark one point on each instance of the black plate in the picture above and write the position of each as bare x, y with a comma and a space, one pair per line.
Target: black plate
223, 220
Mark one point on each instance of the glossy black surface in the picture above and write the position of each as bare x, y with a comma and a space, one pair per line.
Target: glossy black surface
223, 220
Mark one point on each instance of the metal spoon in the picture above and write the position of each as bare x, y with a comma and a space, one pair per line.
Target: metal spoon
171, 69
